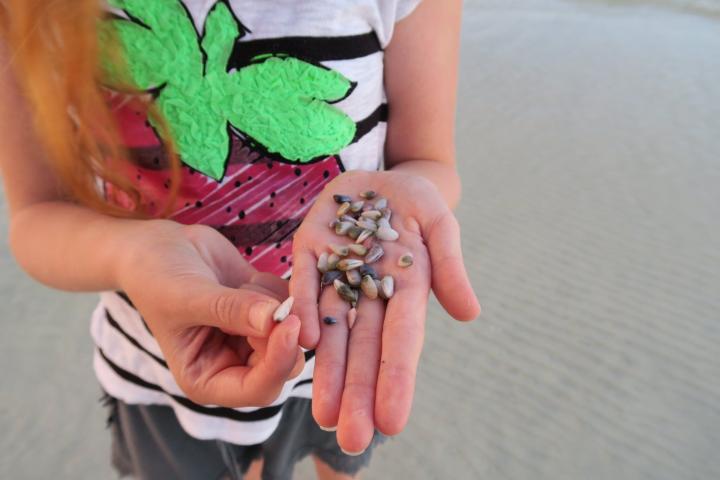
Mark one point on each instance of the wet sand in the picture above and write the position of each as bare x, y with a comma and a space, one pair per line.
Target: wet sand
589, 147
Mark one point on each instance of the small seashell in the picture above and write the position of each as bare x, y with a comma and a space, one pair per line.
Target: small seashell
329, 321
373, 215
364, 236
406, 260
354, 232
381, 203
367, 270
353, 277
348, 294
384, 223
330, 277
387, 234
348, 218
369, 195
340, 250
342, 228
334, 223
343, 209
358, 249
374, 254
340, 199
333, 260
356, 206
352, 317
387, 287
338, 284
322, 263
367, 224
283, 310
386, 214
349, 264
369, 287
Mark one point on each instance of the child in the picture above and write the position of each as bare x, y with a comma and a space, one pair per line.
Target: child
272, 107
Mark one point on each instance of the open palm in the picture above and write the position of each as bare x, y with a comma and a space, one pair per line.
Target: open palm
365, 377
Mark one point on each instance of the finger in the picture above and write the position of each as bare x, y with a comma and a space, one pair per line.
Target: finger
304, 287
279, 360
330, 360
299, 364
402, 339
241, 312
449, 278
259, 347
241, 386
356, 425
271, 282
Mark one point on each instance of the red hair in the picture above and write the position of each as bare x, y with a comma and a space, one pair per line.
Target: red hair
54, 53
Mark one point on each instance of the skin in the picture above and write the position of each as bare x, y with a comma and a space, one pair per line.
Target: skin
365, 378
221, 344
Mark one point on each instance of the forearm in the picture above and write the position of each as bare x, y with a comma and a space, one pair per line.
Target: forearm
69, 247
442, 175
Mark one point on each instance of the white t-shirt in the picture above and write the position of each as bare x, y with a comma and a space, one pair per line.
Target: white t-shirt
313, 69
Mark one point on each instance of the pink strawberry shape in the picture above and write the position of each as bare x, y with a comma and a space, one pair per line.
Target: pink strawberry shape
258, 204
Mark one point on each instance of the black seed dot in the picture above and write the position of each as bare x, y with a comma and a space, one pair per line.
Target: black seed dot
289, 264
147, 123
278, 245
302, 201
187, 204
249, 178
156, 160
228, 209
269, 165
232, 238
248, 251
198, 204
241, 214
272, 204
326, 174
280, 224
305, 184
283, 259
192, 171
238, 183
272, 195
297, 171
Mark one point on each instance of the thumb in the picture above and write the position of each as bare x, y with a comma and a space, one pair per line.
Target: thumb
236, 311
449, 278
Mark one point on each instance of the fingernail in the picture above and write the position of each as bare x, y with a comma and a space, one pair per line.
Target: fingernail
328, 429
259, 314
352, 454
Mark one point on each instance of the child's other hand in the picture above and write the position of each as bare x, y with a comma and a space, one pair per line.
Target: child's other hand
211, 313
365, 377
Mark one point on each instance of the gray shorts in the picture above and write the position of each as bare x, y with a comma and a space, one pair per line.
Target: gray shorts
149, 443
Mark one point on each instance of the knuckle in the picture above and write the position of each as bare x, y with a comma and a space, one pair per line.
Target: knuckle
398, 374
222, 308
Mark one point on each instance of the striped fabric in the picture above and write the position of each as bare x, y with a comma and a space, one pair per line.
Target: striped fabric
260, 201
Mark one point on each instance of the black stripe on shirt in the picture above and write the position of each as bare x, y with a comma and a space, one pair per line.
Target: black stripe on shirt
311, 49
365, 126
113, 323
130, 304
221, 412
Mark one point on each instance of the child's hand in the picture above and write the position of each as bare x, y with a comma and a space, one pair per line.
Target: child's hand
364, 378
211, 314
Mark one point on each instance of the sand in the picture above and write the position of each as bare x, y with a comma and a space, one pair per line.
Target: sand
589, 147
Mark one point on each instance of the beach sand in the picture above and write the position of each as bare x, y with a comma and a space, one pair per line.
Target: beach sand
589, 146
